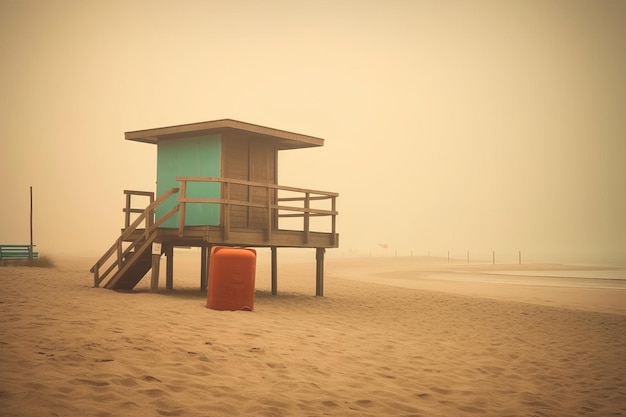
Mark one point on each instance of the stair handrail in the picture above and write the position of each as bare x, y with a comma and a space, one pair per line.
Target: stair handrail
151, 225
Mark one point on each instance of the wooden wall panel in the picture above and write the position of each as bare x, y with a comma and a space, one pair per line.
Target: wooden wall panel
236, 164
253, 160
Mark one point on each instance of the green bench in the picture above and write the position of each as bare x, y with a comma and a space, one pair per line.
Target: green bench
17, 252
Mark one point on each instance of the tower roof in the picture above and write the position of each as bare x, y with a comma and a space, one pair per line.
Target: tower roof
284, 139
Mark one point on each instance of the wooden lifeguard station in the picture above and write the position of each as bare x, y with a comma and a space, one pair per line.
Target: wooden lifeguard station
217, 185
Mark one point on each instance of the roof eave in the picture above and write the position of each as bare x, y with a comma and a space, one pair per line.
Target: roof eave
289, 140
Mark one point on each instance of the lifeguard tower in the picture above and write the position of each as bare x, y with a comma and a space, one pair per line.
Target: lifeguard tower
217, 185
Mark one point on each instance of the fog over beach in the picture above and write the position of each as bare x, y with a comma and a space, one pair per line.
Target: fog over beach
449, 126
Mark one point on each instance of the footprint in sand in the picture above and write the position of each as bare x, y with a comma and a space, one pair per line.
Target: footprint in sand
153, 393
364, 403
91, 382
442, 391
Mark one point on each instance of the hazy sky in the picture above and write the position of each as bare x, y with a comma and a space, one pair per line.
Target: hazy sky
449, 125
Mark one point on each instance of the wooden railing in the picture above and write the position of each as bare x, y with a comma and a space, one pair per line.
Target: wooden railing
128, 210
274, 206
147, 217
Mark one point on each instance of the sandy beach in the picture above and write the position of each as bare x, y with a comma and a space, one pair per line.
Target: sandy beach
391, 337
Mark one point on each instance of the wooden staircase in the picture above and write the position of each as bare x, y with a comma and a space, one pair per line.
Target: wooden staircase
134, 267
125, 267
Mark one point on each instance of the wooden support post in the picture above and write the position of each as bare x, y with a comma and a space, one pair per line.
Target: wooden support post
156, 262
204, 267
319, 271
169, 267
274, 271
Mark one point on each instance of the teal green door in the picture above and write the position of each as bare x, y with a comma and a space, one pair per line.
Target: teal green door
194, 156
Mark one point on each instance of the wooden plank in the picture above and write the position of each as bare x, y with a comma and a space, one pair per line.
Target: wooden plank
244, 182
303, 198
302, 215
199, 235
143, 193
307, 210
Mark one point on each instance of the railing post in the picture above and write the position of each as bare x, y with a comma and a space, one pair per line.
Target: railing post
96, 276
119, 253
147, 213
181, 218
333, 220
268, 194
127, 214
306, 217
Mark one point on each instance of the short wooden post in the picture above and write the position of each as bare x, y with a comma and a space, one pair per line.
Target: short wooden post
96, 276
274, 271
319, 272
169, 267
156, 262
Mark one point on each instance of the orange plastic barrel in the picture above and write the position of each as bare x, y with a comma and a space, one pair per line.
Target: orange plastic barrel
231, 278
